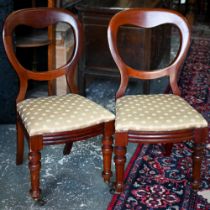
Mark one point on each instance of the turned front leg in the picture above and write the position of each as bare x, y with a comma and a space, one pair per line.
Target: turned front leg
107, 150
34, 167
121, 141
107, 156
119, 160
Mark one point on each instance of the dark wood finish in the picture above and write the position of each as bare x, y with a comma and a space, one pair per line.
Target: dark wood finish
40, 18
97, 60
145, 18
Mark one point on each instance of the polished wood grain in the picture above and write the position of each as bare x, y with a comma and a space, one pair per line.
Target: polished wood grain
148, 18
42, 18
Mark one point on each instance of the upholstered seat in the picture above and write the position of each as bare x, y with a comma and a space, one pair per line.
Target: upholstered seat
159, 112
61, 113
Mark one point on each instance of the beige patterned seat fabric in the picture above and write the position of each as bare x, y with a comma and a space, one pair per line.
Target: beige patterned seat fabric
160, 112
61, 113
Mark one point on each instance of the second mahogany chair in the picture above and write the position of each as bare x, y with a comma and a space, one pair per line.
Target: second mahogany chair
154, 118
54, 119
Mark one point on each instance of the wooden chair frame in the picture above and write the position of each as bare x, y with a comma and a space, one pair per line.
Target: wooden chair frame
149, 18
41, 18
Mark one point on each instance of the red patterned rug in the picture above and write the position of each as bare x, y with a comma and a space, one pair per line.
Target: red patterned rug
153, 181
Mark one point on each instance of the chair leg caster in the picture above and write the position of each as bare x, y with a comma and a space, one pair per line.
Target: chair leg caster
114, 190
118, 188
107, 177
195, 185
36, 195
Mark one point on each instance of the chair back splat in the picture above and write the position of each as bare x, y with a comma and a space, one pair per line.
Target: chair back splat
148, 18
27, 17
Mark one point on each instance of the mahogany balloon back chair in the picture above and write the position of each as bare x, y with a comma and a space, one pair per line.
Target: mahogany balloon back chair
54, 119
154, 118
